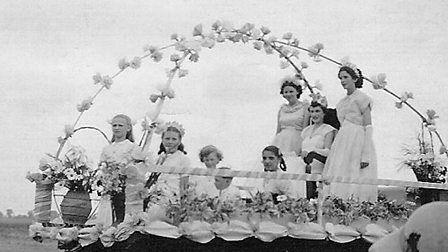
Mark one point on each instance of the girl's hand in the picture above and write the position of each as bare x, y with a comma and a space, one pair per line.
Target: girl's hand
364, 165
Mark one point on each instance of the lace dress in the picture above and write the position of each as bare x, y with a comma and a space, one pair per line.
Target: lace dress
345, 155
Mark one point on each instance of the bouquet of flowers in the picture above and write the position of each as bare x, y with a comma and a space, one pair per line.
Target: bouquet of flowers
108, 178
344, 211
426, 165
73, 172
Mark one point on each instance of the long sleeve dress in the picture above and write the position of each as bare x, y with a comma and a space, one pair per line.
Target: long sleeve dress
345, 155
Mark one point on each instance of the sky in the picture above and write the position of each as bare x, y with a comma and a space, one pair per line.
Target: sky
50, 50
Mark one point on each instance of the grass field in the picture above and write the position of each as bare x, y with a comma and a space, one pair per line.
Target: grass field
14, 237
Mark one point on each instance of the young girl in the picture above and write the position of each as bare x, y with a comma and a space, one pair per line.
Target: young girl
171, 154
272, 160
210, 156
122, 152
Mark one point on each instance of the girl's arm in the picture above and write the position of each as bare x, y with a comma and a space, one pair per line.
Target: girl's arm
306, 117
367, 123
278, 121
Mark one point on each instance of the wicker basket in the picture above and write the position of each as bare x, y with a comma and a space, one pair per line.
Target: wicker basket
76, 207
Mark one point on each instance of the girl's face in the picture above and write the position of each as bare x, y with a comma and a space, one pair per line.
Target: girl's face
316, 114
347, 81
171, 141
211, 160
120, 127
289, 93
270, 161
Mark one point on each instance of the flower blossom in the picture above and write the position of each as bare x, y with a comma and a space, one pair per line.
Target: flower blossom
97, 78
220, 38
153, 98
399, 105
136, 62
194, 57
431, 127
208, 42
282, 197
156, 56
85, 104
168, 92
197, 31
151, 49
258, 45
315, 49
265, 30
175, 57
284, 64
431, 113
379, 81
443, 150
268, 49
174, 36
303, 65
256, 33
295, 42
182, 73
247, 27
69, 130
287, 36
216, 25
107, 81
123, 64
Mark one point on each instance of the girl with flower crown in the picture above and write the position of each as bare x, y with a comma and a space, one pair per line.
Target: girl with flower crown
121, 154
164, 186
292, 118
352, 153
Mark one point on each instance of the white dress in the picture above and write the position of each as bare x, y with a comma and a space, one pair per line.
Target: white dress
344, 158
291, 121
120, 152
314, 140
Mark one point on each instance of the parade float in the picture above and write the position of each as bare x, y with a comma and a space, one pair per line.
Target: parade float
194, 223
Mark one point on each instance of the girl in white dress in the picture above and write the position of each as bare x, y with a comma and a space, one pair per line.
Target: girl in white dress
273, 161
353, 154
317, 140
210, 156
121, 151
165, 186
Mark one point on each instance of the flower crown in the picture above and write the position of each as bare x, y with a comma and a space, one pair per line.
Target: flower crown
164, 127
291, 79
346, 63
322, 100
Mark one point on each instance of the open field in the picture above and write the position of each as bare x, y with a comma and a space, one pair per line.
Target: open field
14, 237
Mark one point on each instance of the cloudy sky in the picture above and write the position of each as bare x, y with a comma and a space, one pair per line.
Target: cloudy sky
50, 49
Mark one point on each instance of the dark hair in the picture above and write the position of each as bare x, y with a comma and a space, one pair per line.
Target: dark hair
181, 145
129, 134
351, 72
287, 83
209, 149
277, 153
316, 104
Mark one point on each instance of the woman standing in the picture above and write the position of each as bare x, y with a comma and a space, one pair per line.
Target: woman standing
353, 154
317, 140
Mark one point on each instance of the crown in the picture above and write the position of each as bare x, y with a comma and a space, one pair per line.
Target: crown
164, 127
291, 79
345, 62
317, 97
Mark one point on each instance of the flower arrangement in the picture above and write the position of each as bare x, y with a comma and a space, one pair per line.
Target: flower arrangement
426, 165
108, 178
347, 211
73, 172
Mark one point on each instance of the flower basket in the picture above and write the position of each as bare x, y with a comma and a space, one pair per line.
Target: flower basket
42, 202
76, 207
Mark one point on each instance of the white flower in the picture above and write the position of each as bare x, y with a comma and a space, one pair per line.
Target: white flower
156, 56
319, 46
194, 57
268, 49
151, 49
123, 64
443, 150
174, 36
216, 25
303, 65
265, 30
175, 57
197, 31
258, 45
182, 73
287, 36
107, 81
168, 92
295, 53
208, 42
256, 33
432, 127
153, 98
79, 177
247, 27
281, 198
284, 64
97, 78
220, 38
69, 130
379, 81
295, 42
399, 105
136, 62
85, 104
271, 39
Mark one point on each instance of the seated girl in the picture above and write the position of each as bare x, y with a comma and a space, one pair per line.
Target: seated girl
210, 156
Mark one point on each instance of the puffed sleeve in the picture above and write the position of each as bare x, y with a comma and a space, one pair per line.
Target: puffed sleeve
364, 102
